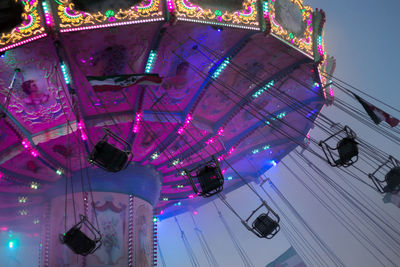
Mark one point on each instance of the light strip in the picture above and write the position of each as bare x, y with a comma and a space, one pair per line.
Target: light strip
23, 42
150, 61
110, 25
220, 68
221, 24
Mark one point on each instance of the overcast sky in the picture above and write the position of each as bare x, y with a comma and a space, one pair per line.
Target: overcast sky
364, 38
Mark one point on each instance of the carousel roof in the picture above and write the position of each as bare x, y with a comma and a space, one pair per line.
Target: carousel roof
235, 84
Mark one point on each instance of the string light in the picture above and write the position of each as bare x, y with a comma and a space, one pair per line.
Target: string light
47, 15
185, 124
23, 42
220, 68
108, 25
138, 118
263, 89
150, 61
34, 185
155, 155
65, 73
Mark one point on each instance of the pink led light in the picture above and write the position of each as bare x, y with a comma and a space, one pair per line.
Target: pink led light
195, 212
25, 143
3, 229
170, 5
136, 125
162, 212
227, 154
81, 126
110, 25
34, 153
190, 196
185, 124
23, 42
212, 139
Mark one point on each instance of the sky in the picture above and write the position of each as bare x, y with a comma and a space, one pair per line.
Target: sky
363, 37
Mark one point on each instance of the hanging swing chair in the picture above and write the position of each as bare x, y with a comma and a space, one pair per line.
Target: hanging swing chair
108, 156
78, 241
390, 183
266, 225
346, 152
209, 177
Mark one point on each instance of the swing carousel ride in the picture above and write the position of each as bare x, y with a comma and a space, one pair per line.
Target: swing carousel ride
133, 110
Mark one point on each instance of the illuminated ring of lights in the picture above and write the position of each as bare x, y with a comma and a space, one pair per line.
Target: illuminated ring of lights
30, 24
191, 7
71, 16
150, 5
246, 14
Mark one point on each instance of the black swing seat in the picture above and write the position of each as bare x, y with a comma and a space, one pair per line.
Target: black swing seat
347, 149
78, 241
393, 181
210, 180
209, 176
109, 157
265, 226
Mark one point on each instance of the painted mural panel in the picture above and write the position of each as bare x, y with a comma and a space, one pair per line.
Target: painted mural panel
117, 51
31, 86
143, 233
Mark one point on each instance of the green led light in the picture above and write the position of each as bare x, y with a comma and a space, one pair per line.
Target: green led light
155, 155
110, 13
155, 219
218, 13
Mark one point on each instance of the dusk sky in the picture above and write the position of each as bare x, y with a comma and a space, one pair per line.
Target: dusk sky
363, 37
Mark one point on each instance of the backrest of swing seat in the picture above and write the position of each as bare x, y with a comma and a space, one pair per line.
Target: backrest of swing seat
347, 149
209, 179
392, 179
79, 242
109, 156
265, 225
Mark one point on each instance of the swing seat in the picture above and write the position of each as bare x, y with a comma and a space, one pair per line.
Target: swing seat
390, 183
108, 156
265, 226
210, 180
347, 149
393, 181
78, 241
209, 177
